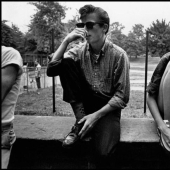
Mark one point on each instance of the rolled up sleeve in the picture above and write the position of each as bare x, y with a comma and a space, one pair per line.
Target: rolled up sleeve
122, 84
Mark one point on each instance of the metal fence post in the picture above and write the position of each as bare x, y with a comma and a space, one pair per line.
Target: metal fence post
27, 77
53, 78
44, 77
146, 70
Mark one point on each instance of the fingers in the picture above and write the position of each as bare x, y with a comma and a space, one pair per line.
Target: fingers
81, 32
86, 128
81, 120
83, 131
50, 56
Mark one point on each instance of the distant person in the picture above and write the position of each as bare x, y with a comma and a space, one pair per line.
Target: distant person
38, 76
11, 70
25, 76
158, 100
94, 75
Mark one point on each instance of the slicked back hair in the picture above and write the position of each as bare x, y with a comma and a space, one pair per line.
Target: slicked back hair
102, 14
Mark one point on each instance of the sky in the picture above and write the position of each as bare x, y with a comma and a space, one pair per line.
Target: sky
127, 13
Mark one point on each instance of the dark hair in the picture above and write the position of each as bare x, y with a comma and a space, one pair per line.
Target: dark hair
102, 14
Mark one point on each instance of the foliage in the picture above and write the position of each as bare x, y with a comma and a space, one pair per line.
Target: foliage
134, 42
115, 33
6, 35
30, 43
159, 37
47, 18
19, 39
70, 26
12, 36
130, 45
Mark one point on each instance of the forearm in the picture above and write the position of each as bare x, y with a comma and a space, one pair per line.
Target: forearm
53, 67
153, 107
60, 51
4, 92
104, 111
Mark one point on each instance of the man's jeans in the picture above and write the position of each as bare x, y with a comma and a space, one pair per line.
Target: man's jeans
106, 132
8, 138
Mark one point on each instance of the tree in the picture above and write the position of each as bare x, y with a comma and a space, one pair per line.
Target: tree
72, 22
115, 34
70, 26
19, 39
138, 31
12, 36
47, 17
159, 38
133, 43
30, 43
6, 35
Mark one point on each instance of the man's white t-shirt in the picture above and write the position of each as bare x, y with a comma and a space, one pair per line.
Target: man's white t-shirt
38, 71
10, 56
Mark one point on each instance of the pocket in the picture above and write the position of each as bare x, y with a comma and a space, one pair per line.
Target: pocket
8, 138
107, 85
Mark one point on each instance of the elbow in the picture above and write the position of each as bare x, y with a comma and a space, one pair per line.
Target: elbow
150, 99
147, 98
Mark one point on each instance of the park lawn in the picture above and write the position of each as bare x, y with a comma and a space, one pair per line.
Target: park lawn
30, 103
41, 104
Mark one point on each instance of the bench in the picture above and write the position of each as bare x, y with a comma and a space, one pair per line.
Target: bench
38, 144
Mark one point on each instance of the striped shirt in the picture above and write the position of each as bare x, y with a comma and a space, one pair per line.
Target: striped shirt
106, 74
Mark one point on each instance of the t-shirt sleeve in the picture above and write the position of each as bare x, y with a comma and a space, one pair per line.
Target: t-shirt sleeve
12, 56
153, 86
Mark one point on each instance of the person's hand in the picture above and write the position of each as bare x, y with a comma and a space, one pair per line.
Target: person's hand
166, 135
89, 122
49, 57
76, 34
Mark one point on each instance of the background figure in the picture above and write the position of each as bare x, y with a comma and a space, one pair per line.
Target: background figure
25, 76
38, 75
159, 100
94, 75
11, 70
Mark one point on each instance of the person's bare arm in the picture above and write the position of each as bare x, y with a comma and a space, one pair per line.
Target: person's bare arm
75, 34
153, 107
8, 78
91, 119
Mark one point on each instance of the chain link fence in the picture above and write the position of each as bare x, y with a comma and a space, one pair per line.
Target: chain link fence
28, 80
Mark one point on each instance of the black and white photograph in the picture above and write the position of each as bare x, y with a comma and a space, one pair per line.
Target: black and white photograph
85, 85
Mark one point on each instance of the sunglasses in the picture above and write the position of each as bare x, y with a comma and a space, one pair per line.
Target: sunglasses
89, 25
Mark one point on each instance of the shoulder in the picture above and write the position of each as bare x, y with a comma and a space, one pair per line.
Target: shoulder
166, 57
163, 62
10, 56
9, 51
118, 51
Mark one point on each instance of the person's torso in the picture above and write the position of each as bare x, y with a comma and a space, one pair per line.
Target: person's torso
99, 73
38, 71
9, 103
164, 94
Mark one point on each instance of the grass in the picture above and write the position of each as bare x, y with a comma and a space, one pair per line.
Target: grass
42, 105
